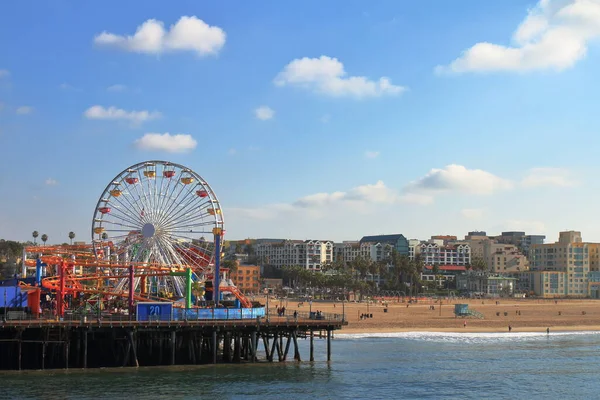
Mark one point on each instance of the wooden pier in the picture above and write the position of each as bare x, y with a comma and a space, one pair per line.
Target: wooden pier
48, 344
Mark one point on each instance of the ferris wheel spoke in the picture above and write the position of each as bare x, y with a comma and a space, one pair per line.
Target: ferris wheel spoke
198, 220
172, 201
131, 207
119, 224
144, 205
151, 182
117, 211
196, 203
166, 195
197, 224
172, 208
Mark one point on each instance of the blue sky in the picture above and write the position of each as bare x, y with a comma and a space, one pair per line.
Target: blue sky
332, 120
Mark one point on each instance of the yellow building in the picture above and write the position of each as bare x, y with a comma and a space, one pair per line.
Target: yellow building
246, 278
562, 268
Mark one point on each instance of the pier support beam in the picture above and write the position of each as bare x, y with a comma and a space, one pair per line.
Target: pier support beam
312, 346
85, 348
253, 346
296, 349
214, 347
131, 344
328, 344
173, 346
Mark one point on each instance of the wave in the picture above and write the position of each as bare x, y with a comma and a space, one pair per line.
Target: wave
469, 337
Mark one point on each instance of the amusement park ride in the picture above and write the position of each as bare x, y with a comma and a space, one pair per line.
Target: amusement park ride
149, 244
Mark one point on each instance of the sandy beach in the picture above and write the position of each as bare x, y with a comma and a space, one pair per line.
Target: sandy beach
523, 315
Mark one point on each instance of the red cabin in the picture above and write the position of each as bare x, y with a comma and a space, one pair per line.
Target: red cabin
168, 174
104, 210
202, 193
131, 181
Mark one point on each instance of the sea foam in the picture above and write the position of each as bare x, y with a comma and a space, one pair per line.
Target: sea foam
468, 337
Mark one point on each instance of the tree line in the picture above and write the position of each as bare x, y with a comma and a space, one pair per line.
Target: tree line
397, 272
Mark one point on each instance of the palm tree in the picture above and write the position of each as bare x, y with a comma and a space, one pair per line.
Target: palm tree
35, 234
71, 236
44, 238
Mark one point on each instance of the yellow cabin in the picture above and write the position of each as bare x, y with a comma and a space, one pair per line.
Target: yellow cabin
187, 180
115, 192
150, 174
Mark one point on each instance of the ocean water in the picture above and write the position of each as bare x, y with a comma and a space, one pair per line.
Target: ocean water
562, 365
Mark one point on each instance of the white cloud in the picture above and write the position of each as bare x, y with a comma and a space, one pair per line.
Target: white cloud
114, 113
264, 113
166, 142
371, 154
557, 177
326, 75
116, 88
4, 73
232, 152
51, 182
325, 118
24, 110
457, 178
358, 198
187, 34
555, 34
472, 213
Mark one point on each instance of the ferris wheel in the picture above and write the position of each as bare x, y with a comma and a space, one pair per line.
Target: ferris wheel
157, 212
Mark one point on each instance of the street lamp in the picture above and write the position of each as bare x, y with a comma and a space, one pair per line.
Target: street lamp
267, 305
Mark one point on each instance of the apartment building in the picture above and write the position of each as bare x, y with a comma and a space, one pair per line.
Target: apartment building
436, 252
503, 258
348, 251
562, 268
397, 241
246, 278
414, 248
309, 254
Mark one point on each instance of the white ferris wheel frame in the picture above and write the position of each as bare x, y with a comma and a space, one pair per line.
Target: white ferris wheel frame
155, 211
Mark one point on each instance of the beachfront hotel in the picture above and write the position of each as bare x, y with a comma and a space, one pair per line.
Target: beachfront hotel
562, 269
309, 254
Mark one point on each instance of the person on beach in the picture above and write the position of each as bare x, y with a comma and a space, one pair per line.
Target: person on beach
465, 323
548, 331
509, 328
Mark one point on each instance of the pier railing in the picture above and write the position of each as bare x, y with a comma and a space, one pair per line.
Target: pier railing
304, 315
181, 315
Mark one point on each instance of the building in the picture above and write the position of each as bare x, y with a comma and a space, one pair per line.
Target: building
435, 252
309, 254
520, 239
397, 241
445, 275
476, 234
477, 245
529, 240
272, 285
246, 278
486, 284
562, 268
414, 248
504, 258
348, 251
445, 238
